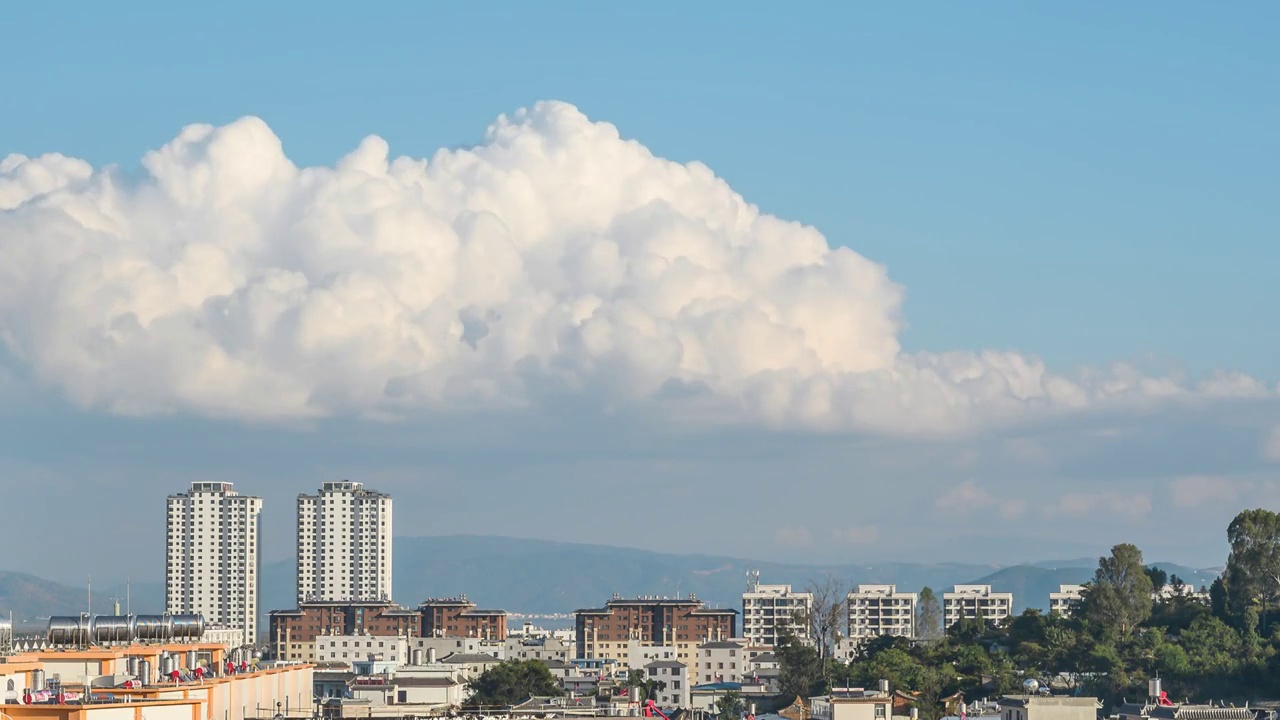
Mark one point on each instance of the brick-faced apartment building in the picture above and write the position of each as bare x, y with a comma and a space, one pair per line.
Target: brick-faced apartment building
459, 617
293, 632
607, 632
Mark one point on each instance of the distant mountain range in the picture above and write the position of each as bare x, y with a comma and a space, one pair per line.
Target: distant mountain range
536, 576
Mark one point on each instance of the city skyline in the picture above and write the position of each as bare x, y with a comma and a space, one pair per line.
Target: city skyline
1001, 279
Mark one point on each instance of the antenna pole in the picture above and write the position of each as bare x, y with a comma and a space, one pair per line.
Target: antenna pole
128, 606
90, 595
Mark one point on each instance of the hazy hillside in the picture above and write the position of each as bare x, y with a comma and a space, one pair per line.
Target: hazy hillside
544, 577
30, 597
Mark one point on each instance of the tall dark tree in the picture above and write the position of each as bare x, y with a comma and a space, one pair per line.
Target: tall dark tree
1119, 598
1252, 575
828, 614
928, 615
511, 682
800, 670
1218, 600
1159, 578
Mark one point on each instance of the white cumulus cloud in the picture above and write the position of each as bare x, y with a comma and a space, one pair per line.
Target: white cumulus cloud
1133, 506
1198, 490
554, 259
1271, 445
968, 497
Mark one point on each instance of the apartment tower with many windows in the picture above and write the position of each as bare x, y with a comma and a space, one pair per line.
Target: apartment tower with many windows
344, 544
769, 610
876, 610
212, 557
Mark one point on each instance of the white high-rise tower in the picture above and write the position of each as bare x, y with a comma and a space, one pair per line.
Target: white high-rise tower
344, 544
212, 557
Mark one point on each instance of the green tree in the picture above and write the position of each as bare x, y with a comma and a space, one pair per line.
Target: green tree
800, 671
928, 616
647, 686
1159, 578
1252, 575
729, 706
1119, 598
512, 682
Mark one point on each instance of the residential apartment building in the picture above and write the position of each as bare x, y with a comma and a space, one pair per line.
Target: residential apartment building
974, 601
352, 648
1066, 600
434, 648
212, 557
459, 617
293, 632
769, 609
538, 648
1168, 592
876, 610
606, 633
344, 544
722, 661
673, 683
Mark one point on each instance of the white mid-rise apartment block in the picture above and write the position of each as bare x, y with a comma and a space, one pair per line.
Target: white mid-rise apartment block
876, 610
974, 601
351, 648
212, 557
1066, 600
344, 544
768, 609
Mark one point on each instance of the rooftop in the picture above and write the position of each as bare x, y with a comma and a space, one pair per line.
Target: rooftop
1026, 700
720, 645
469, 658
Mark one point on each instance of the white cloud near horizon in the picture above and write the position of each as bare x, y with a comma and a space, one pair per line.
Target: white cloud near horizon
555, 259
967, 498
1271, 445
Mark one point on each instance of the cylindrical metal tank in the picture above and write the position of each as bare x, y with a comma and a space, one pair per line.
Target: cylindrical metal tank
156, 628
144, 671
37, 680
415, 657
68, 630
187, 627
191, 660
131, 666
167, 665
112, 629
431, 656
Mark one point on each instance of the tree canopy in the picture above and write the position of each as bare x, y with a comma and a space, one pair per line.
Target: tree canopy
512, 682
1119, 598
1217, 648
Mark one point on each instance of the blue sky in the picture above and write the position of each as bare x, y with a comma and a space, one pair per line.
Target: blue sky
1084, 183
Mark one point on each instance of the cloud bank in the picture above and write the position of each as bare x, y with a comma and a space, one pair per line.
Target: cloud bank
554, 260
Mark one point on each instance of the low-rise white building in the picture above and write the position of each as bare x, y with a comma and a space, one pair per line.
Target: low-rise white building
546, 647
974, 601
1168, 592
468, 666
1046, 707
640, 654
876, 610
1066, 600
672, 677
350, 648
722, 661
225, 636
434, 648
